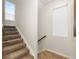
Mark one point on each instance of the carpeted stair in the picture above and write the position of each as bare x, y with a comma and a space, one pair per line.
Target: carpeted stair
13, 46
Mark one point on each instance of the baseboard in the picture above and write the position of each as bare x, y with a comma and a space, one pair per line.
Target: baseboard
31, 51
54, 52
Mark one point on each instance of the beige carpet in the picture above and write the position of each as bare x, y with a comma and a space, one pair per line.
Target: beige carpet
13, 45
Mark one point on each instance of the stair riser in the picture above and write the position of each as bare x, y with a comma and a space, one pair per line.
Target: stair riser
13, 46
11, 37
10, 29
11, 43
21, 55
29, 56
10, 33
5, 52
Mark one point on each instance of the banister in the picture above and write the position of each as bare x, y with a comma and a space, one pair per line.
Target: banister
42, 38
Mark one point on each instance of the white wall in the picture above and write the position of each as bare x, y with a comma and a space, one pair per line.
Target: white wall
61, 44
26, 21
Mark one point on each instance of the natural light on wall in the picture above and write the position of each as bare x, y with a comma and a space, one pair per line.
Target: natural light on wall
60, 21
9, 11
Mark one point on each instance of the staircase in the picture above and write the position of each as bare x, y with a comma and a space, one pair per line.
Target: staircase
13, 44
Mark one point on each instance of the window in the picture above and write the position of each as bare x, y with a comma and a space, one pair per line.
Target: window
9, 11
60, 21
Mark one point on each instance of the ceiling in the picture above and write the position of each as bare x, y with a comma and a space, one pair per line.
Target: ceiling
49, 1
42, 1
46, 1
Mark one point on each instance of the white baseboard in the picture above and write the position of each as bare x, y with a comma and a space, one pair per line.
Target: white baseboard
54, 52
31, 51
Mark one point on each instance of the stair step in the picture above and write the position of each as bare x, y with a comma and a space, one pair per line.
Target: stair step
17, 54
27, 57
9, 27
11, 32
11, 42
10, 37
12, 48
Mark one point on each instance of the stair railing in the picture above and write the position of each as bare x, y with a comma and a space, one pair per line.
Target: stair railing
42, 38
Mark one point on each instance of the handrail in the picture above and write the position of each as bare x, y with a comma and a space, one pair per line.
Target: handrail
42, 38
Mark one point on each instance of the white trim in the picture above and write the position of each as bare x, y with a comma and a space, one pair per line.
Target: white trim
71, 19
27, 45
53, 51
61, 5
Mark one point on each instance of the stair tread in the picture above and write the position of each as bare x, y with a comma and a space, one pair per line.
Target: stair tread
8, 37
13, 45
17, 54
9, 29
9, 26
27, 57
11, 32
10, 42
11, 35
12, 48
